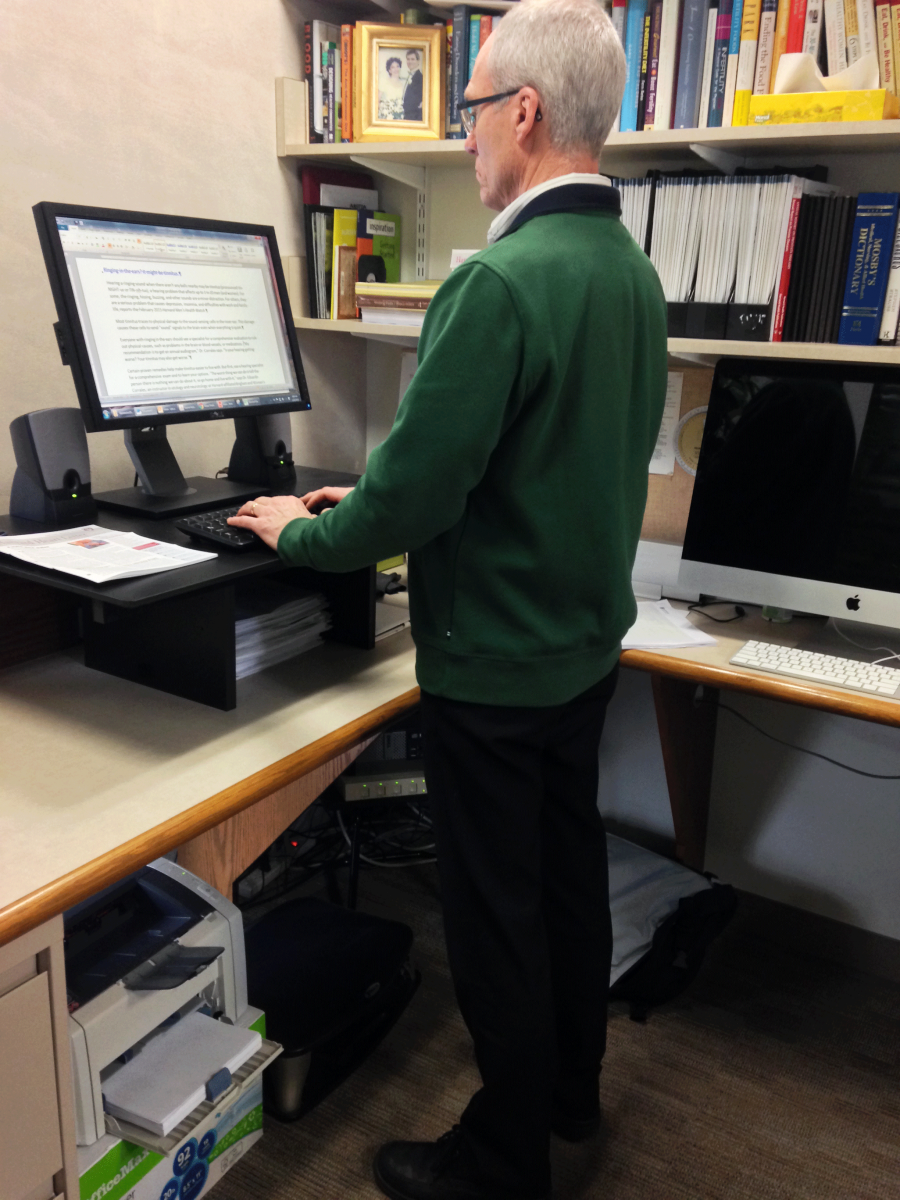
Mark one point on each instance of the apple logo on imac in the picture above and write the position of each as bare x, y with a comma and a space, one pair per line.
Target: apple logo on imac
853, 603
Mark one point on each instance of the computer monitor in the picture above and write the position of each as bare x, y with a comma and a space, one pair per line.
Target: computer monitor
796, 502
165, 320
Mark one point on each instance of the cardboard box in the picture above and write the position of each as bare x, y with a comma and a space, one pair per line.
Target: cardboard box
115, 1169
795, 108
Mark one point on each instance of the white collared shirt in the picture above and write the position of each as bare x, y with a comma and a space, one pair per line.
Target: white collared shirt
504, 219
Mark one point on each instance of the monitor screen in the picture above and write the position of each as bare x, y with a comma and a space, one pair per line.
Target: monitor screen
796, 502
170, 319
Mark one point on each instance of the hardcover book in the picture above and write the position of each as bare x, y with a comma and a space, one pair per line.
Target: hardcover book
889, 319
378, 246
746, 66
669, 34
634, 36
693, 41
653, 65
868, 268
720, 65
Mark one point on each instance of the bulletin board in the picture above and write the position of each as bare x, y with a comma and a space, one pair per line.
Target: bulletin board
669, 496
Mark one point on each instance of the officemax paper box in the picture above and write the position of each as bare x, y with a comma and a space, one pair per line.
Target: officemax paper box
796, 108
115, 1170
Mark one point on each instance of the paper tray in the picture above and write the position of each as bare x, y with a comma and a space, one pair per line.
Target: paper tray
241, 1079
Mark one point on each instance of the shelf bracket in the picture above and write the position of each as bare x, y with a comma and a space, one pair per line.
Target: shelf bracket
721, 159
413, 177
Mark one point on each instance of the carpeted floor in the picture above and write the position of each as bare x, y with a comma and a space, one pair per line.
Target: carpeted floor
773, 1078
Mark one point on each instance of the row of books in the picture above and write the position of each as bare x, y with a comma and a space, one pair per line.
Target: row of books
467, 31
330, 56
348, 239
815, 266
696, 63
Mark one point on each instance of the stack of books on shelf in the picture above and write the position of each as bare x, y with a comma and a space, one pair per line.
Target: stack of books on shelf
395, 303
694, 64
348, 239
770, 257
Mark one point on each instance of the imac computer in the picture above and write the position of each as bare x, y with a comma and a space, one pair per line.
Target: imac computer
168, 319
796, 502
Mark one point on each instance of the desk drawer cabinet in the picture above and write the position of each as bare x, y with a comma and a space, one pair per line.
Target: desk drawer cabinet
37, 1142
30, 1146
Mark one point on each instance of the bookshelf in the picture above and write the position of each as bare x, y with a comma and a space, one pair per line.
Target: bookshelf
438, 200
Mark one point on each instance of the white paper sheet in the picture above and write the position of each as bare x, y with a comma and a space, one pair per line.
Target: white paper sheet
663, 460
100, 555
166, 1079
660, 627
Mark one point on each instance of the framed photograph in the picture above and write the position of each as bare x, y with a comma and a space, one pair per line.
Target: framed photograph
402, 79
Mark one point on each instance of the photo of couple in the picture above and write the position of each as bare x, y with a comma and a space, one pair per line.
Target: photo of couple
399, 84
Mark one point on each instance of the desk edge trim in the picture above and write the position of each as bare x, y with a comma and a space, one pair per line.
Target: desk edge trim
55, 897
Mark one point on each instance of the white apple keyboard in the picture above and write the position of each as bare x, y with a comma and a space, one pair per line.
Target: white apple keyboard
819, 668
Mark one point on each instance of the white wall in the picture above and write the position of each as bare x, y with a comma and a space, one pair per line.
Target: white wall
782, 825
159, 105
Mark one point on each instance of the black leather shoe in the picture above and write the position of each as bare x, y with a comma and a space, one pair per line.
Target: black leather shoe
574, 1126
434, 1171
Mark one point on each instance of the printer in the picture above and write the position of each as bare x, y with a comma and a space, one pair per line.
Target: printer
153, 948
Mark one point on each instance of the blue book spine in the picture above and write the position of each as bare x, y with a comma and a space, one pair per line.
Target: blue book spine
737, 18
690, 64
474, 43
720, 65
634, 40
868, 268
459, 63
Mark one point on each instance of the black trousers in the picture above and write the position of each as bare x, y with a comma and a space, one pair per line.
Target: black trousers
524, 886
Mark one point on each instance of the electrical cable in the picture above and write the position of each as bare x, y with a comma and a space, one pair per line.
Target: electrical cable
802, 749
891, 653
738, 612
412, 858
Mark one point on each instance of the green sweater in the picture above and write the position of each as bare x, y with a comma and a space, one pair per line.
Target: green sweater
515, 474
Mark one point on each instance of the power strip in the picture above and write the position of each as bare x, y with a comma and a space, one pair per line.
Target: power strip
375, 787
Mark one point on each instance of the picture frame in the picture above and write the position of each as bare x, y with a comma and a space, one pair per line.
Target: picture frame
402, 80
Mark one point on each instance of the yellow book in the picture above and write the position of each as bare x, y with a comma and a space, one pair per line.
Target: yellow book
796, 108
781, 27
344, 235
743, 87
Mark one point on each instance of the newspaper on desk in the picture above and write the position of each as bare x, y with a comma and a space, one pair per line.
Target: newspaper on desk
661, 627
100, 555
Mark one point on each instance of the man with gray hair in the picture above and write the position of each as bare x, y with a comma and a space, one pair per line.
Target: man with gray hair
516, 477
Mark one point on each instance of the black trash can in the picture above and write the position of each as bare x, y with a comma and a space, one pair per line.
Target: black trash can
331, 981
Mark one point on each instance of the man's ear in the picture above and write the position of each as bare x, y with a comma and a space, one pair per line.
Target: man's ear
528, 113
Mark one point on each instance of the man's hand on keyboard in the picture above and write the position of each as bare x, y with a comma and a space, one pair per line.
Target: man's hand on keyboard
268, 515
326, 497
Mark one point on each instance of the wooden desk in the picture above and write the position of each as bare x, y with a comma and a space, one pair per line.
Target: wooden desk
686, 686
101, 776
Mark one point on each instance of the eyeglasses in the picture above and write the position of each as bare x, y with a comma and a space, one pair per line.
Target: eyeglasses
469, 118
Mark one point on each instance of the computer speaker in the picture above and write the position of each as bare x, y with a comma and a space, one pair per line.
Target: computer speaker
52, 483
262, 452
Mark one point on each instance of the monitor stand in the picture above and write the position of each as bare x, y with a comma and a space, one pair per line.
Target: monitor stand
164, 492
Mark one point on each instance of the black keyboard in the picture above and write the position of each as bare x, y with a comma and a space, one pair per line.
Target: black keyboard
213, 527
